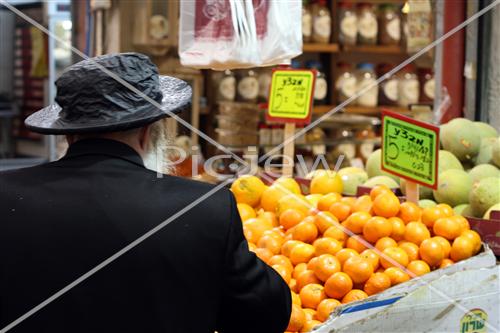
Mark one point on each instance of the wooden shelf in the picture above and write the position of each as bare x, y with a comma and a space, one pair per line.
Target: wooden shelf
321, 48
368, 111
375, 49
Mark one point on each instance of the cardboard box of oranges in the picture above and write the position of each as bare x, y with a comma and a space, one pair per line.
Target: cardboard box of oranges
334, 250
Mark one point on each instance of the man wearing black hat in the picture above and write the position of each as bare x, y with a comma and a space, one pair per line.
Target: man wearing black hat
60, 220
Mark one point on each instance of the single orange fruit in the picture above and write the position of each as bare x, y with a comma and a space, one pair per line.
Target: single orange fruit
431, 215
363, 204
287, 247
336, 232
338, 285
284, 272
310, 314
397, 275
279, 259
325, 308
295, 298
409, 212
301, 253
376, 283
290, 218
327, 245
385, 242
378, 190
305, 278
354, 295
396, 254
340, 210
327, 200
431, 252
293, 285
376, 228
372, 256
305, 232
418, 267
356, 221
446, 262
462, 221
355, 243
326, 266
416, 232
269, 216
311, 295
271, 242
349, 201
297, 319
312, 263
474, 236
411, 250
246, 211
462, 248
445, 245
309, 326
398, 228
293, 201
345, 254
264, 254
275, 232
447, 227
358, 268
325, 220
299, 269
248, 189
446, 209
257, 226
386, 205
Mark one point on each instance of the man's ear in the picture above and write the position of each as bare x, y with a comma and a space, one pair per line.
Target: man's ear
70, 139
144, 137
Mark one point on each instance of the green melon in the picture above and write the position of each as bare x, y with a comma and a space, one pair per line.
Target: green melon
453, 188
483, 171
427, 203
495, 153
494, 207
458, 210
485, 151
448, 161
352, 178
373, 167
467, 211
484, 194
381, 180
485, 130
460, 138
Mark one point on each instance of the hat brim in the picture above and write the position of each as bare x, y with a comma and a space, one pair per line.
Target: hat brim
176, 97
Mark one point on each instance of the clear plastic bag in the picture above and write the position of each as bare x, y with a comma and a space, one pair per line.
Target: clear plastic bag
228, 34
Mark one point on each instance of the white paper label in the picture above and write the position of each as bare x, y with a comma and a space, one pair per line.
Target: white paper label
320, 88
248, 88
429, 87
349, 27
368, 27
322, 26
394, 29
227, 88
307, 24
391, 90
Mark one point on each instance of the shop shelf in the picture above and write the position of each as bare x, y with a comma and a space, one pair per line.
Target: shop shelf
369, 111
320, 48
374, 49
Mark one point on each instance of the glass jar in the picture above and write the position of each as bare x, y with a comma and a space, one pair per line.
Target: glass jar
322, 22
366, 145
367, 24
388, 89
345, 85
321, 84
248, 86
390, 25
226, 89
408, 87
366, 78
348, 24
306, 22
427, 85
264, 79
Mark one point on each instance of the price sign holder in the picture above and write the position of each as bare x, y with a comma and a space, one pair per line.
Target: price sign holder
290, 102
410, 150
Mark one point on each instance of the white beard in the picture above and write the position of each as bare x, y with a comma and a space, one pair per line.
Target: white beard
156, 157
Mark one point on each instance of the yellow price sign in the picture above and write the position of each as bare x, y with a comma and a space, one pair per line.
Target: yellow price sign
290, 99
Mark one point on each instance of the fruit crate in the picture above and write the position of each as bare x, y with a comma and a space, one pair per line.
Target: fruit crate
489, 230
445, 300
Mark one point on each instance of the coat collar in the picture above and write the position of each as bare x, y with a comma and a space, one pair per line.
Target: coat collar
106, 147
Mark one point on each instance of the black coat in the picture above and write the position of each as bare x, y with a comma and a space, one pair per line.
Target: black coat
59, 220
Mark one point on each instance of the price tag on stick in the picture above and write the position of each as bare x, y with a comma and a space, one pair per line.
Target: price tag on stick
410, 150
290, 102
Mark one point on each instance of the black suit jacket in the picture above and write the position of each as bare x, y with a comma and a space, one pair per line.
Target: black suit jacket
59, 220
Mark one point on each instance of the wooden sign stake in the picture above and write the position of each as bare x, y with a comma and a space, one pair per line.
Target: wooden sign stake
288, 150
412, 194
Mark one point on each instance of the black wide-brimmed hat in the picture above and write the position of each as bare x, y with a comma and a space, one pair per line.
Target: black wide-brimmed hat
90, 100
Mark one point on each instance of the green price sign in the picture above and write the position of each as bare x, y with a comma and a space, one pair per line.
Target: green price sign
410, 149
290, 99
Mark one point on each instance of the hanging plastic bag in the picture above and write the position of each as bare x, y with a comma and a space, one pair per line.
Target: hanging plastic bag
226, 34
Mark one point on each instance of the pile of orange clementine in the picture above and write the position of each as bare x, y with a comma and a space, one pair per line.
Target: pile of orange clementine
332, 250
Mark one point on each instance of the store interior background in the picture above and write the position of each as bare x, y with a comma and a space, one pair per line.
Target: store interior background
467, 65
